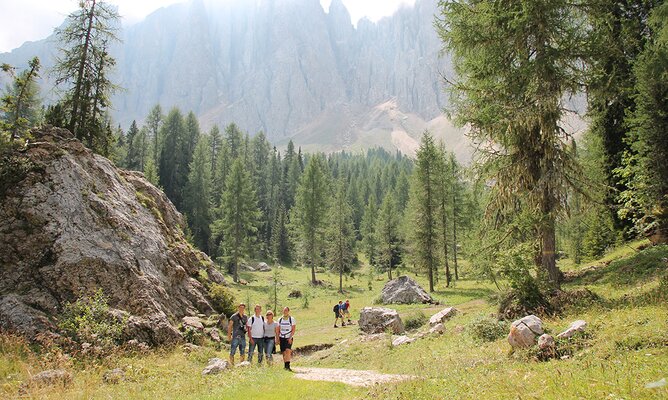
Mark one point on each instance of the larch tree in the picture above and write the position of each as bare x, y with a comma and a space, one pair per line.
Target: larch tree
310, 211
516, 63
444, 193
83, 66
239, 216
154, 122
169, 170
387, 234
20, 103
340, 234
424, 206
197, 196
367, 230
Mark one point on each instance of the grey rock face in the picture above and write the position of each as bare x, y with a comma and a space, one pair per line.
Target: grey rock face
524, 331
404, 290
73, 224
378, 320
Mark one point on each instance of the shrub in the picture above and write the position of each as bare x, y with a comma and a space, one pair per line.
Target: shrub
222, 299
415, 321
486, 329
88, 320
194, 336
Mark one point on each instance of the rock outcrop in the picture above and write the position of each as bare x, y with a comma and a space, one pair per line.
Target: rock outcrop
575, 327
378, 320
72, 223
404, 290
525, 331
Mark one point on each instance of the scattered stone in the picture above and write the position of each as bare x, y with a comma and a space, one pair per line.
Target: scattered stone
243, 364
215, 335
576, 326
546, 342
215, 366
215, 276
398, 341
373, 337
380, 319
404, 290
114, 376
245, 267
243, 282
459, 329
295, 294
136, 345
658, 384
190, 347
437, 329
524, 331
51, 377
263, 267
192, 322
442, 316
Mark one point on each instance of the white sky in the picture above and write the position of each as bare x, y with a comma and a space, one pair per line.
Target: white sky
29, 20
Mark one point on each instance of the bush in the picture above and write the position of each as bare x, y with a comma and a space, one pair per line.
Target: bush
222, 299
487, 329
415, 321
88, 320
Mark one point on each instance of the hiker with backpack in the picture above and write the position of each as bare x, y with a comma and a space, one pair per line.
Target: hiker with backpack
236, 333
255, 328
287, 326
271, 333
338, 313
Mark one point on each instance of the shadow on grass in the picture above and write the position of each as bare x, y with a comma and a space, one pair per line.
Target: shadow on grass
642, 266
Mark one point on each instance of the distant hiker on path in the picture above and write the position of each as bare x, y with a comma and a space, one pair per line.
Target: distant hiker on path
338, 313
236, 333
287, 326
346, 311
255, 327
271, 333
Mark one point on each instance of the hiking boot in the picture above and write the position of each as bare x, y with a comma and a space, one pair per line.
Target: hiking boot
343, 324
335, 326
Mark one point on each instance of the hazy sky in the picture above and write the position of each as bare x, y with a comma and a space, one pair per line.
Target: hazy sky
24, 20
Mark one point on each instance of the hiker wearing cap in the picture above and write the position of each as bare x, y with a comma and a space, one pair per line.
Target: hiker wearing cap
255, 328
271, 333
346, 311
338, 313
236, 333
287, 326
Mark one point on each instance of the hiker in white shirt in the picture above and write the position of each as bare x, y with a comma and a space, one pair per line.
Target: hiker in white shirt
287, 326
255, 327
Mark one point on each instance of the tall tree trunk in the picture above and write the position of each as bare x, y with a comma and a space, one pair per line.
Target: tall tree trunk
389, 266
445, 245
548, 255
341, 278
454, 233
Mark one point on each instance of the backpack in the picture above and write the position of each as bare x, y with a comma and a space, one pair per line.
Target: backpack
253, 319
336, 308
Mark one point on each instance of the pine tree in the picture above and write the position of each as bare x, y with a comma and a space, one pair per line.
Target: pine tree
239, 215
197, 196
387, 234
514, 76
444, 193
309, 212
132, 157
19, 107
340, 234
84, 65
234, 139
367, 230
154, 124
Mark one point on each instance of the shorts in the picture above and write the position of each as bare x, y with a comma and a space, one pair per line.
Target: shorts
346, 313
240, 342
337, 315
285, 344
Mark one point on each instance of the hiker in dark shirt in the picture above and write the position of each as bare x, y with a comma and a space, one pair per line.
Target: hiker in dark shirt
236, 333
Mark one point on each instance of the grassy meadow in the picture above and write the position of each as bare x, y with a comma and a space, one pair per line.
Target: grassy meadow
626, 346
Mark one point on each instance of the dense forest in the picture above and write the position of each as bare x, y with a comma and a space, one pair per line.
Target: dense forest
532, 195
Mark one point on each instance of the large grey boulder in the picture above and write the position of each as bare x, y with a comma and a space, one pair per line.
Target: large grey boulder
379, 319
72, 223
442, 316
263, 267
525, 331
404, 290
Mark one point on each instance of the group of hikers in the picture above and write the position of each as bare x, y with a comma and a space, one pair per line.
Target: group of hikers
263, 334
342, 311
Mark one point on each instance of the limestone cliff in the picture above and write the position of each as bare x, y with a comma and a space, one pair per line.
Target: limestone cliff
71, 222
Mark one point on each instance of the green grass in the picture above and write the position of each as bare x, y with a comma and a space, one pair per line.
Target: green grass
626, 346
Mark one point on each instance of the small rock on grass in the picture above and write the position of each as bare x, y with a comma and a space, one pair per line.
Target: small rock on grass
243, 364
51, 377
398, 341
658, 384
576, 326
438, 329
216, 366
114, 376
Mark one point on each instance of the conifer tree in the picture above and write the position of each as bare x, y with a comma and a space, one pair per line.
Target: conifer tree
239, 215
154, 122
367, 230
19, 107
387, 233
197, 196
340, 234
132, 156
309, 212
444, 192
169, 169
